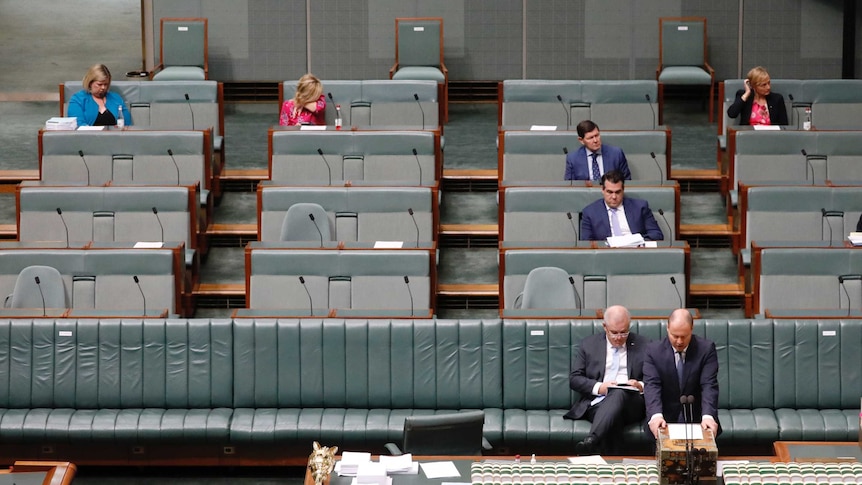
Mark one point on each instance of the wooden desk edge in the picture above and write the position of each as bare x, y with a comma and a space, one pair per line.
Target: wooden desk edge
57, 472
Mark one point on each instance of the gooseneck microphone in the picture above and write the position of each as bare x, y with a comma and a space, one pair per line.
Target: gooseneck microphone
824, 217
574, 229
328, 168
649, 102
568, 112
332, 102
409, 292
65, 227
687, 419
416, 97
808, 165
844, 287
669, 229
39, 285
660, 172
416, 156
143, 297
410, 211
87, 167
189, 104
310, 303
319, 234
161, 227
678, 294
176, 167
577, 296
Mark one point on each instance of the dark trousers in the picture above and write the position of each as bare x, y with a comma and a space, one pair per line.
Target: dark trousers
609, 417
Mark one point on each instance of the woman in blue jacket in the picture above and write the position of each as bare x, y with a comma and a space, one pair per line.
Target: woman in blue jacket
96, 104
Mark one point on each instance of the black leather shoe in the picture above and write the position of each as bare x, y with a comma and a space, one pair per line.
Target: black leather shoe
587, 446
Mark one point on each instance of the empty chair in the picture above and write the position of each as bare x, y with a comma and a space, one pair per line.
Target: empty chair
457, 434
182, 50
419, 55
306, 222
682, 55
547, 287
38, 287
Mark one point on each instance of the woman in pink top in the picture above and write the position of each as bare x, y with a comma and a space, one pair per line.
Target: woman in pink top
307, 107
757, 104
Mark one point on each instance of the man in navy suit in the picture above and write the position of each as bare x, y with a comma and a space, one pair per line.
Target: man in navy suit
617, 215
606, 359
664, 384
592, 159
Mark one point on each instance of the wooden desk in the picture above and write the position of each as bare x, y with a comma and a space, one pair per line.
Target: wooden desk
51, 472
787, 451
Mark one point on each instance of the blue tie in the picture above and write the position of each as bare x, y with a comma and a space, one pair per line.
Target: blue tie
616, 229
596, 174
679, 362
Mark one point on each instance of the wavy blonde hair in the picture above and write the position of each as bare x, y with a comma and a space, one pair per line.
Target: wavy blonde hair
98, 72
308, 90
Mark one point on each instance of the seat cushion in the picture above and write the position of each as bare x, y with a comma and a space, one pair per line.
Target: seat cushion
419, 73
684, 75
817, 424
747, 426
180, 73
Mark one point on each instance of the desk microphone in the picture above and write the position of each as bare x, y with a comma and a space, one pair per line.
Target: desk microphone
577, 297
572, 223
161, 227
176, 167
410, 292
65, 227
416, 156
410, 211
310, 303
841, 280
567, 110
808, 165
319, 234
328, 168
416, 97
189, 104
649, 102
143, 297
678, 295
81, 154
45, 312
669, 229
332, 102
687, 419
824, 216
660, 172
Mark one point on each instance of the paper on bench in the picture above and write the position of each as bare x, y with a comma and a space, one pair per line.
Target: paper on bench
149, 245
630, 241
439, 469
403, 464
543, 128
676, 431
388, 244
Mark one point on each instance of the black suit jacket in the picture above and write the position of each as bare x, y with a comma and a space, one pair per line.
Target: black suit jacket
589, 367
774, 101
700, 379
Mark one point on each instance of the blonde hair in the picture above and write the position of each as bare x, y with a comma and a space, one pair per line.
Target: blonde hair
98, 72
308, 90
757, 75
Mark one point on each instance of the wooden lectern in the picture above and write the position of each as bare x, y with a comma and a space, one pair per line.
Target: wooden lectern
671, 459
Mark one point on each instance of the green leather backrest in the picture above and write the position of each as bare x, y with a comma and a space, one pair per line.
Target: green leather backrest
92, 364
817, 364
745, 367
419, 42
367, 364
682, 42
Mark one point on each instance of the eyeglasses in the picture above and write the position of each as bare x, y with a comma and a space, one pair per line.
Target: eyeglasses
616, 334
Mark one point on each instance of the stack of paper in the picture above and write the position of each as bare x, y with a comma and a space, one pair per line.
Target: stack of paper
59, 123
350, 461
400, 465
855, 238
371, 473
631, 241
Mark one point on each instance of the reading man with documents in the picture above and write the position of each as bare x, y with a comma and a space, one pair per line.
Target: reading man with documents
607, 372
617, 215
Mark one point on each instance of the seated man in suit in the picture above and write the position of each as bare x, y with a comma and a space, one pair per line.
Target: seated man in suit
603, 360
617, 215
681, 365
592, 159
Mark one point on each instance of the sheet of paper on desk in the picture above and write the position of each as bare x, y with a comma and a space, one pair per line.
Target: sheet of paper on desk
350, 461
677, 431
440, 469
400, 465
589, 460
766, 127
386, 481
149, 245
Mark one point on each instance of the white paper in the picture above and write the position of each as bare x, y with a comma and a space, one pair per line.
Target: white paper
543, 128
355, 481
650, 244
149, 245
388, 244
676, 431
371, 473
400, 464
766, 128
630, 241
589, 460
440, 469
92, 128
312, 127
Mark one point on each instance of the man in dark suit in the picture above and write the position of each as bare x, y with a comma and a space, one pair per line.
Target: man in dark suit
604, 360
592, 159
630, 215
664, 384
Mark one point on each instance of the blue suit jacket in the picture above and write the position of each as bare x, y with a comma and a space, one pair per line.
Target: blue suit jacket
595, 225
613, 158
700, 379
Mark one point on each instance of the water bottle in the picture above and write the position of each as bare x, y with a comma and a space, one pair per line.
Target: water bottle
806, 125
121, 122
337, 116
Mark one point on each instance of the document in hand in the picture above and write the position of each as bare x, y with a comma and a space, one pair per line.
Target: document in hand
630, 241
